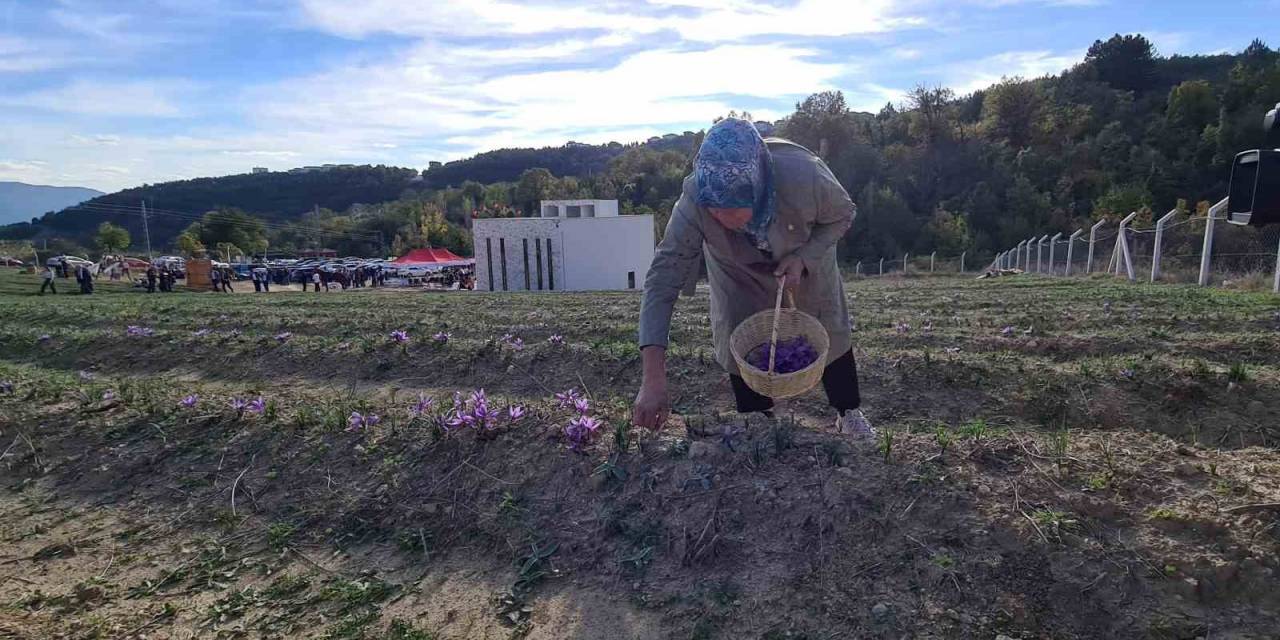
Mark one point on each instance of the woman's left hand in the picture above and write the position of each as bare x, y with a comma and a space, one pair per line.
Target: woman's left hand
792, 267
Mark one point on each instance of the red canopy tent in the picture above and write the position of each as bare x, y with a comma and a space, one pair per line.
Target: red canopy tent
429, 256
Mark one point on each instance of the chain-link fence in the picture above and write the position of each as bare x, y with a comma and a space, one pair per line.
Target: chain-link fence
932, 263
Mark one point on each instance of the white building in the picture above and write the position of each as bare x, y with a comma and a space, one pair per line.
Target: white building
575, 245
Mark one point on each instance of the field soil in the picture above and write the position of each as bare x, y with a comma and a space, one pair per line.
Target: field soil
1054, 459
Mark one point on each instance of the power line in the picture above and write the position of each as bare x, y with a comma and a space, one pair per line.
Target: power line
255, 225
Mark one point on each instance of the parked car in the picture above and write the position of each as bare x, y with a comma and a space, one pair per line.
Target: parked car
6, 261
72, 261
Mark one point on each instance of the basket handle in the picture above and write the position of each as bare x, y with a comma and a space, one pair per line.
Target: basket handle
777, 315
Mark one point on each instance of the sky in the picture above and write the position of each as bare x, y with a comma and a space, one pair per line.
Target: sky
114, 93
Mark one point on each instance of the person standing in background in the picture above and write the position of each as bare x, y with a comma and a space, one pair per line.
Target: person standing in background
47, 276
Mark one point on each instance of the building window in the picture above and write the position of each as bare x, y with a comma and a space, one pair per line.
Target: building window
551, 211
551, 268
488, 256
502, 256
526, 264
572, 211
588, 211
631, 279
537, 255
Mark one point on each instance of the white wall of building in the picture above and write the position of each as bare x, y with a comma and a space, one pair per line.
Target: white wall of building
578, 208
575, 254
600, 254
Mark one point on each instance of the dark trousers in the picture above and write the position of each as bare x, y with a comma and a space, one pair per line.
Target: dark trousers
840, 380
48, 284
257, 285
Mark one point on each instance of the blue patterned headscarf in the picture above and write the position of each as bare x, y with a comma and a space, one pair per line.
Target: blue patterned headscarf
734, 170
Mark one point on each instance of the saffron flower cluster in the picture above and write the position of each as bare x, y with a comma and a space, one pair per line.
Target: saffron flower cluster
792, 355
189, 401
357, 421
6, 387
137, 331
441, 337
257, 405
284, 336
200, 333
557, 340
583, 426
515, 342
400, 336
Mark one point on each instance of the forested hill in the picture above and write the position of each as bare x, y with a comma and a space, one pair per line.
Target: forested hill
273, 196
572, 159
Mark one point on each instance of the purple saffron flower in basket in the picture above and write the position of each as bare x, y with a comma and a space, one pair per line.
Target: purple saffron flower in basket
515, 413
190, 401
557, 340
284, 336
441, 337
400, 336
258, 405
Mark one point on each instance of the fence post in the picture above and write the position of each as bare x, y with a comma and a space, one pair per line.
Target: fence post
1206, 251
1017, 255
1156, 252
881, 266
1071, 248
1275, 287
1122, 247
1030, 243
857, 268
1040, 253
905, 258
931, 257
1093, 237
962, 260
1053, 247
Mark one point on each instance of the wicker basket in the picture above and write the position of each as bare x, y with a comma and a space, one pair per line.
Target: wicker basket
770, 327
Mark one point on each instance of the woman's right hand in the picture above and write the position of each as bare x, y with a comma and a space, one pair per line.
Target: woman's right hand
653, 405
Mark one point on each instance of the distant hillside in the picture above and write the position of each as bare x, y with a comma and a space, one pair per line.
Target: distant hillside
275, 196
572, 159
20, 201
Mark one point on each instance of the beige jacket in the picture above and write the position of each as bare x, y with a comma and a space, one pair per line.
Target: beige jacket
813, 212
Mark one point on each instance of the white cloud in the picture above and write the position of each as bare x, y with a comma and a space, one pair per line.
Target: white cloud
966, 77
101, 98
723, 21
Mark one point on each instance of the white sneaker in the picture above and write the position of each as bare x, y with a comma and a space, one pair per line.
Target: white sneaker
854, 423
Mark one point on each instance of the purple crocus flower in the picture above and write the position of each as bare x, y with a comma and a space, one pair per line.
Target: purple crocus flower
580, 430
515, 413
1007, 331
582, 406
1128, 374
517, 344
371, 420
902, 327
567, 398
258, 405
556, 339
400, 335
190, 401
284, 336
44, 338
423, 405
200, 333
441, 337
6, 387
238, 404
355, 421
108, 395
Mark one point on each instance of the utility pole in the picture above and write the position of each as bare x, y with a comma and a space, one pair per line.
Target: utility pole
146, 229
